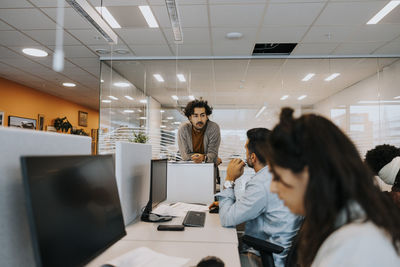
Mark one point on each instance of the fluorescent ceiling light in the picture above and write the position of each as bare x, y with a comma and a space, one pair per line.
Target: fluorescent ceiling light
129, 111
176, 122
35, 52
106, 101
332, 76
191, 97
143, 118
148, 16
301, 97
397, 97
284, 97
108, 17
113, 97
69, 84
170, 118
175, 20
158, 77
163, 126
378, 101
181, 78
308, 77
143, 101
129, 97
174, 97
86, 10
162, 111
121, 84
383, 12
260, 111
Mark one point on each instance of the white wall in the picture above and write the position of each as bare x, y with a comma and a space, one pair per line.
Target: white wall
153, 125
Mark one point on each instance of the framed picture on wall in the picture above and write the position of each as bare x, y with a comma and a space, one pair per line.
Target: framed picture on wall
40, 122
82, 118
19, 122
1, 118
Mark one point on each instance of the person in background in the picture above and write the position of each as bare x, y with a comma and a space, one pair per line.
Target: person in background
211, 261
318, 173
199, 139
264, 213
384, 161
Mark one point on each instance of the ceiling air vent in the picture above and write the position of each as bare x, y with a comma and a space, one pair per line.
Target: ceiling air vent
274, 49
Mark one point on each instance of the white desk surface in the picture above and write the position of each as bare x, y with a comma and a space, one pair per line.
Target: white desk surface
212, 232
193, 250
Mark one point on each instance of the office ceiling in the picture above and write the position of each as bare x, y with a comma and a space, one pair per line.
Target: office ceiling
321, 27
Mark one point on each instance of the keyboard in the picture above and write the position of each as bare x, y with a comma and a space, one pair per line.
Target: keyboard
194, 219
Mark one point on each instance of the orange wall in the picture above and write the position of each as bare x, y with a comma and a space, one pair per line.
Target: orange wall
22, 101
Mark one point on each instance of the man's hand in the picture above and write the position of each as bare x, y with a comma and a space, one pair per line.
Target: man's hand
235, 169
214, 204
219, 161
198, 158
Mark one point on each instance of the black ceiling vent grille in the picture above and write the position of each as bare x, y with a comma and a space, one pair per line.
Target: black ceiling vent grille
273, 49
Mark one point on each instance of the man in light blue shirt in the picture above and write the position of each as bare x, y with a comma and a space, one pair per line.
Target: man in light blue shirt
264, 213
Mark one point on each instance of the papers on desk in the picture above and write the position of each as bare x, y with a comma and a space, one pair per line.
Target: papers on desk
178, 209
145, 257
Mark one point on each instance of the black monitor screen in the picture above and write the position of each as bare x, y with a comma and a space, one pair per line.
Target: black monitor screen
73, 207
158, 181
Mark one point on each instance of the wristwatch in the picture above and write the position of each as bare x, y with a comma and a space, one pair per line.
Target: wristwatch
229, 184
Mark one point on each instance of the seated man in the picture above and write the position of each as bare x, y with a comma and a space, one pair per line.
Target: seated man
199, 139
265, 215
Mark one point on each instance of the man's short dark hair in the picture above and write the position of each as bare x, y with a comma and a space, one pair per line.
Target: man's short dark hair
258, 143
189, 110
211, 261
380, 156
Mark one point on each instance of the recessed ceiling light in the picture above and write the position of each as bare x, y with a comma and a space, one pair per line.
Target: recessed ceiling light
122, 51
234, 35
170, 118
143, 118
144, 101
308, 77
174, 97
113, 97
162, 111
106, 101
174, 18
158, 77
397, 97
129, 111
332, 76
102, 81
102, 51
129, 97
69, 84
191, 97
122, 84
35, 52
261, 111
148, 16
284, 97
383, 12
301, 97
181, 78
108, 17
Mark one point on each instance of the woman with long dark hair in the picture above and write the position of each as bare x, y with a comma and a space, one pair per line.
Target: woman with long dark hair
319, 174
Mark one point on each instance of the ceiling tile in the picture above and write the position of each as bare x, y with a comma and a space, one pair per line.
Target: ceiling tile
142, 36
229, 2
7, 53
180, 3
375, 33
392, 48
161, 14
349, 13
89, 37
14, 38
72, 51
48, 37
194, 16
85, 62
329, 34
282, 34
314, 49
219, 36
18, 19
119, 2
72, 20
14, 4
190, 35
236, 15
192, 50
47, 3
292, 14
357, 48
151, 50
110, 48
5, 27
237, 49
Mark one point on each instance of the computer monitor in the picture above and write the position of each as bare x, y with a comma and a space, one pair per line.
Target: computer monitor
73, 207
158, 190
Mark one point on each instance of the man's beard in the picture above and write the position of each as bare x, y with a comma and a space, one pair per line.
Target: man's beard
199, 125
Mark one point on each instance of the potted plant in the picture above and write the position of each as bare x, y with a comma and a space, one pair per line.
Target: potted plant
139, 138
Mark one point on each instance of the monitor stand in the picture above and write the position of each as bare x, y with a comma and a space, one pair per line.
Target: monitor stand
150, 217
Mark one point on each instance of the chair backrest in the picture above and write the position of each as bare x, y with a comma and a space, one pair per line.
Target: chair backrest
265, 248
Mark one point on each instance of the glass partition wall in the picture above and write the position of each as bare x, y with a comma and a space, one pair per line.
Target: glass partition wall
361, 95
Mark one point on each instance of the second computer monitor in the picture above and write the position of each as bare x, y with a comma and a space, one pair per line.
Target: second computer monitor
158, 191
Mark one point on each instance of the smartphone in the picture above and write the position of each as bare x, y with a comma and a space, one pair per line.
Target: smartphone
169, 227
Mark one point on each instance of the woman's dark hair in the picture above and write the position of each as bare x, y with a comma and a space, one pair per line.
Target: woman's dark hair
258, 138
189, 109
337, 176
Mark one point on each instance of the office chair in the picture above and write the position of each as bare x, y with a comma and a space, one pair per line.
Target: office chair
265, 248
